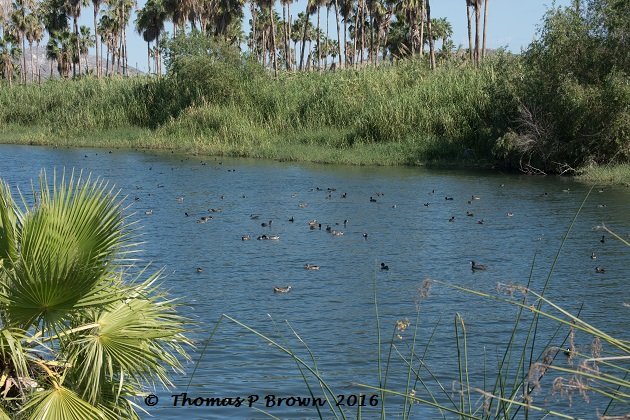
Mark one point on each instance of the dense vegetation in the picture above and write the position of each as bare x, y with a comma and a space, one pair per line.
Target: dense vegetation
562, 105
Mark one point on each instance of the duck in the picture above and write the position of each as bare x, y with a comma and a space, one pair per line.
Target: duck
480, 222
317, 226
336, 233
262, 237
312, 222
302, 205
204, 219
245, 238
452, 219
509, 214
426, 204
469, 214
344, 195
600, 269
567, 351
186, 214
148, 212
475, 197
603, 240
199, 269
266, 224
180, 199
291, 219
311, 267
273, 237
384, 267
448, 198
372, 200
278, 289
328, 228
254, 216
593, 256
475, 266
365, 235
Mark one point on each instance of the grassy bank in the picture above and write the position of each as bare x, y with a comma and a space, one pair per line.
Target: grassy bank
390, 116
403, 114
612, 174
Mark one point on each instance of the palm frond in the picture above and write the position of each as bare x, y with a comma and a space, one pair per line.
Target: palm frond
68, 244
59, 402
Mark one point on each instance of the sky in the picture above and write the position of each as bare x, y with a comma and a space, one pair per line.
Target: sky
511, 23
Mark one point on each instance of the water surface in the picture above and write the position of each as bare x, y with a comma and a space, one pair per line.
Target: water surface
333, 309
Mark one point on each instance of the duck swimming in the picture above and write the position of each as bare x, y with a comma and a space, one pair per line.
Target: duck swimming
600, 269
278, 289
311, 267
245, 238
384, 267
475, 266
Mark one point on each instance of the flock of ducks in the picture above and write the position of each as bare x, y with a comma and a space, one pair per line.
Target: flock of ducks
315, 225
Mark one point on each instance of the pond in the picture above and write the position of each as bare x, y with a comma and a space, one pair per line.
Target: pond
396, 216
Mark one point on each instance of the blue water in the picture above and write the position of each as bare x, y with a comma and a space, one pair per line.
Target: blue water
332, 310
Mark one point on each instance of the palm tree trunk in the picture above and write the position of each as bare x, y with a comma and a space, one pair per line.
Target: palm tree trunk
470, 39
485, 28
477, 32
273, 40
371, 19
355, 41
338, 36
345, 42
96, 42
285, 32
430, 35
423, 7
252, 42
304, 36
76, 33
24, 58
290, 55
362, 30
319, 50
30, 47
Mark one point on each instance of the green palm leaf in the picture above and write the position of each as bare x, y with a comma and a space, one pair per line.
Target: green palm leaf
60, 403
67, 244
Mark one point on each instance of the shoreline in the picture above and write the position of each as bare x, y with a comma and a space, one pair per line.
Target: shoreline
391, 154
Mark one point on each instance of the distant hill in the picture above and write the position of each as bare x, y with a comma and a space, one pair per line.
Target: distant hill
42, 65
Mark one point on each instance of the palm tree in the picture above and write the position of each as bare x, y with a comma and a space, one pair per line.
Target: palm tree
311, 8
73, 9
20, 23
60, 48
274, 54
97, 7
77, 340
477, 6
9, 53
469, 6
485, 28
150, 24
86, 41
34, 32
430, 35
336, 4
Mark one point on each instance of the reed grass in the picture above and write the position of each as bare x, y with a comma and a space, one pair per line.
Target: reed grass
610, 174
395, 115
